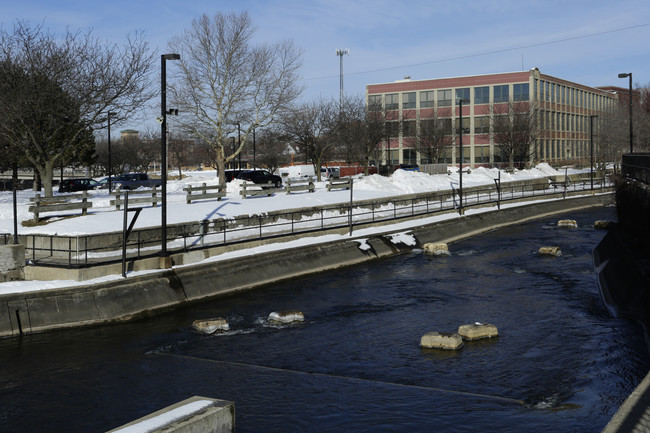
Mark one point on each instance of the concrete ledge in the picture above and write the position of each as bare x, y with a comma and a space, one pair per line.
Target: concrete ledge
141, 296
12, 262
194, 415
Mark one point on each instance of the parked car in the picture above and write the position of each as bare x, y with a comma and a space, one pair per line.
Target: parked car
79, 184
232, 174
135, 181
333, 172
408, 167
260, 177
103, 183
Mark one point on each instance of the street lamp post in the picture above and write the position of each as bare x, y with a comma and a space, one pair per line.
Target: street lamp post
239, 143
163, 152
460, 189
591, 121
110, 167
626, 75
253, 147
233, 152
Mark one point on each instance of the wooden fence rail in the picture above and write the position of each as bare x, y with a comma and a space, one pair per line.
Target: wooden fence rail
59, 203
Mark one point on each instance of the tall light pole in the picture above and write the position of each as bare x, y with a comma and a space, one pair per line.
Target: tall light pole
254, 146
110, 167
591, 121
163, 152
460, 189
341, 53
239, 142
626, 75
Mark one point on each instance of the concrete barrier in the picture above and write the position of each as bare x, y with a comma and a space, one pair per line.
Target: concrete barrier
567, 223
441, 340
142, 296
196, 414
210, 326
477, 331
12, 262
286, 316
550, 251
436, 248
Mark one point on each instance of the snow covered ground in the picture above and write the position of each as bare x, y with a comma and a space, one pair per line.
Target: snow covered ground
104, 218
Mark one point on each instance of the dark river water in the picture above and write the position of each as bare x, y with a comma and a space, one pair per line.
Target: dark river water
560, 364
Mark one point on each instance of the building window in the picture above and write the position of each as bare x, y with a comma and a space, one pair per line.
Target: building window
466, 129
482, 125
408, 100
426, 99
520, 92
374, 102
501, 93
463, 94
392, 129
482, 95
409, 156
392, 101
445, 125
482, 154
409, 128
444, 98
394, 156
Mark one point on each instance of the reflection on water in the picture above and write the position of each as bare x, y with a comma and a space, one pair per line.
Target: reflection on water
560, 363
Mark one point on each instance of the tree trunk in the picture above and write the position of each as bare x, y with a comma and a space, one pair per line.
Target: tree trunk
221, 165
46, 173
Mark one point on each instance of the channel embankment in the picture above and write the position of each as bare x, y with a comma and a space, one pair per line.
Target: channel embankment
144, 295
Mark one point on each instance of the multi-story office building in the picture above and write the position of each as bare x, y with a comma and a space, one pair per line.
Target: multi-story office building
561, 111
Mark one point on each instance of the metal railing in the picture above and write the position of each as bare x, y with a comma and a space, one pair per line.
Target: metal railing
100, 249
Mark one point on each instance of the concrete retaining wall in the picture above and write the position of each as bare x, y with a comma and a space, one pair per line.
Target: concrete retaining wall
194, 415
140, 296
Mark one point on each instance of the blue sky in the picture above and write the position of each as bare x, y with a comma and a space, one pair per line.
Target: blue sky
588, 42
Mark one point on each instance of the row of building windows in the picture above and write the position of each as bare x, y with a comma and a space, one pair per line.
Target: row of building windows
548, 150
561, 94
550, 121
548, 91
446, 97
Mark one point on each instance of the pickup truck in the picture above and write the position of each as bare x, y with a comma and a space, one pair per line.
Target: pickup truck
135, 181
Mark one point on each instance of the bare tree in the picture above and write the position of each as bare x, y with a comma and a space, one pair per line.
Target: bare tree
514, 127
272, 149
361, 130
312, 129
433, 137
225, 82
55, 89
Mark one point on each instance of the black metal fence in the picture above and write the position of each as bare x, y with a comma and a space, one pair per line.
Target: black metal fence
104, 248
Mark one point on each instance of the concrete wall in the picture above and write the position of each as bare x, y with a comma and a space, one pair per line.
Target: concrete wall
194, 415
141, 296
12, 262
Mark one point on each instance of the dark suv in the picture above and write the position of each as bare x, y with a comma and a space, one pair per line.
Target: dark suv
261, 176
74, 185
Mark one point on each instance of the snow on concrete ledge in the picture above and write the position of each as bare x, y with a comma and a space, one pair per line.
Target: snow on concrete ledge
194, 414
405, 238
